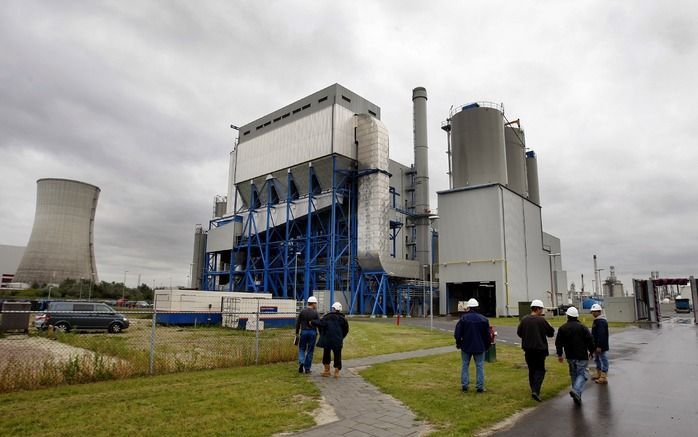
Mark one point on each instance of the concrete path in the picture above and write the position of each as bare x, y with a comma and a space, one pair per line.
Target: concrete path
652, 389
361, 408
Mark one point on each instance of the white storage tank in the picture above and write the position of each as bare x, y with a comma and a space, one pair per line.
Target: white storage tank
532, 177
516, 159
478, 154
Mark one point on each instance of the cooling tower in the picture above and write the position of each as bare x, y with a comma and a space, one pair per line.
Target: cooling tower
61, 244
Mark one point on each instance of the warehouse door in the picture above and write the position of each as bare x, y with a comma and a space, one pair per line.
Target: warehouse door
484, 291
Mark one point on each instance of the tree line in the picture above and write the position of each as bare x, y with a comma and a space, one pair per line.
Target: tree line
83, 289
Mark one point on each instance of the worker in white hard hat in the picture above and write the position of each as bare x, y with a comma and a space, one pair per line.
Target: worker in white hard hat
472, 336
306, 333
599, 330
333, 328
534, 331
577, 343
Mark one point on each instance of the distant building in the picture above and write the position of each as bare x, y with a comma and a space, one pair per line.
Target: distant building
10, 256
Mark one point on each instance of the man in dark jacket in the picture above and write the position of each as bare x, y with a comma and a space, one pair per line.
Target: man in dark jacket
333, 328
308, 333
599, 330
534, 331
472, 336
578, 344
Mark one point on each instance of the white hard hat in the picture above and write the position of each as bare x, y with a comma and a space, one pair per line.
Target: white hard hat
473, 303
312, 299
596, 307
337, 306
572, 312
537, 303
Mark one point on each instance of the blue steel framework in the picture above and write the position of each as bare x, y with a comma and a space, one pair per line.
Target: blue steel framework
316, 251
320, 245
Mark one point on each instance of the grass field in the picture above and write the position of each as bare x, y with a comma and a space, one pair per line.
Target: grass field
179, 349
368, 338
430, 387
248, 401
269, 399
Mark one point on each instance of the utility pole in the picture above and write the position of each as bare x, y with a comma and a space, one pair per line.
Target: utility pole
123, 286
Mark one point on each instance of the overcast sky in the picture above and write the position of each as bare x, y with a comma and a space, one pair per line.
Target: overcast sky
137, 98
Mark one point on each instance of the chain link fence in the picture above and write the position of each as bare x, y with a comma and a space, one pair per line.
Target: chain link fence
36, 351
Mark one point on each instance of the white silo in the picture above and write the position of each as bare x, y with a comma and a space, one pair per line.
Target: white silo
61, 245
478, 154
516, 159
532, 177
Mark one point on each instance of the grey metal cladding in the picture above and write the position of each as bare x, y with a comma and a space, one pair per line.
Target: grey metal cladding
307, 105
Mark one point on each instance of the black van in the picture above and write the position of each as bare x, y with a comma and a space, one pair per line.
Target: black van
78, 315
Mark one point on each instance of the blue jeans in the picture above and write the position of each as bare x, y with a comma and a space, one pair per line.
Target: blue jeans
578, 374
306, 347
479, 369
601, 360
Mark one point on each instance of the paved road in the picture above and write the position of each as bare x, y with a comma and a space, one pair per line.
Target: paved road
362, 410
652, 390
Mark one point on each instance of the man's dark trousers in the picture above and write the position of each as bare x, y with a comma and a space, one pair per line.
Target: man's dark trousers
535, 359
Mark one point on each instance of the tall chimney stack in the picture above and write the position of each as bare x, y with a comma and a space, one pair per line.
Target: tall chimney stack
421, 179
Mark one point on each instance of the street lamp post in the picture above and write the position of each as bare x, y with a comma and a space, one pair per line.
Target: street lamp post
123, 286
424, 291
49, 291
92, 280
81, 279
431, 270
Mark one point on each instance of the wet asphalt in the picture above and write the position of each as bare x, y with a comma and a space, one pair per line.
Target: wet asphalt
652, 389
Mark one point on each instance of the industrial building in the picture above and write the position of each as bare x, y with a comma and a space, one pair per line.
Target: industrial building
61, 245
315, 206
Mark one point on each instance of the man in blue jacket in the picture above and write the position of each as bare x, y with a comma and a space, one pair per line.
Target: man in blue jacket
472, 336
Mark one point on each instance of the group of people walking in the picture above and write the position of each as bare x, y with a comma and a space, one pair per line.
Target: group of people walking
333, 327
474, 336
574, 342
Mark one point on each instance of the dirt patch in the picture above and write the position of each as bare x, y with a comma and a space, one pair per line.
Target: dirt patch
36, 350
322, 415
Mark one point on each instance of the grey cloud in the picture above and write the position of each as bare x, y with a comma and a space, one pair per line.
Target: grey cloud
137, 98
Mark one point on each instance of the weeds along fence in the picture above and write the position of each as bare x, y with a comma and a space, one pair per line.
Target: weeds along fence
154, 343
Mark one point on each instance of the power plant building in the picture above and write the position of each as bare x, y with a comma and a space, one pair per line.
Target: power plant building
315, 206
493, 247
61, 245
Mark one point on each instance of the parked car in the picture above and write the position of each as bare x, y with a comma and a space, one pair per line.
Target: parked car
77, 315
143, 304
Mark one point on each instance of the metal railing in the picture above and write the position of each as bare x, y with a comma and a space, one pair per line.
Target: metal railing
481, 104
